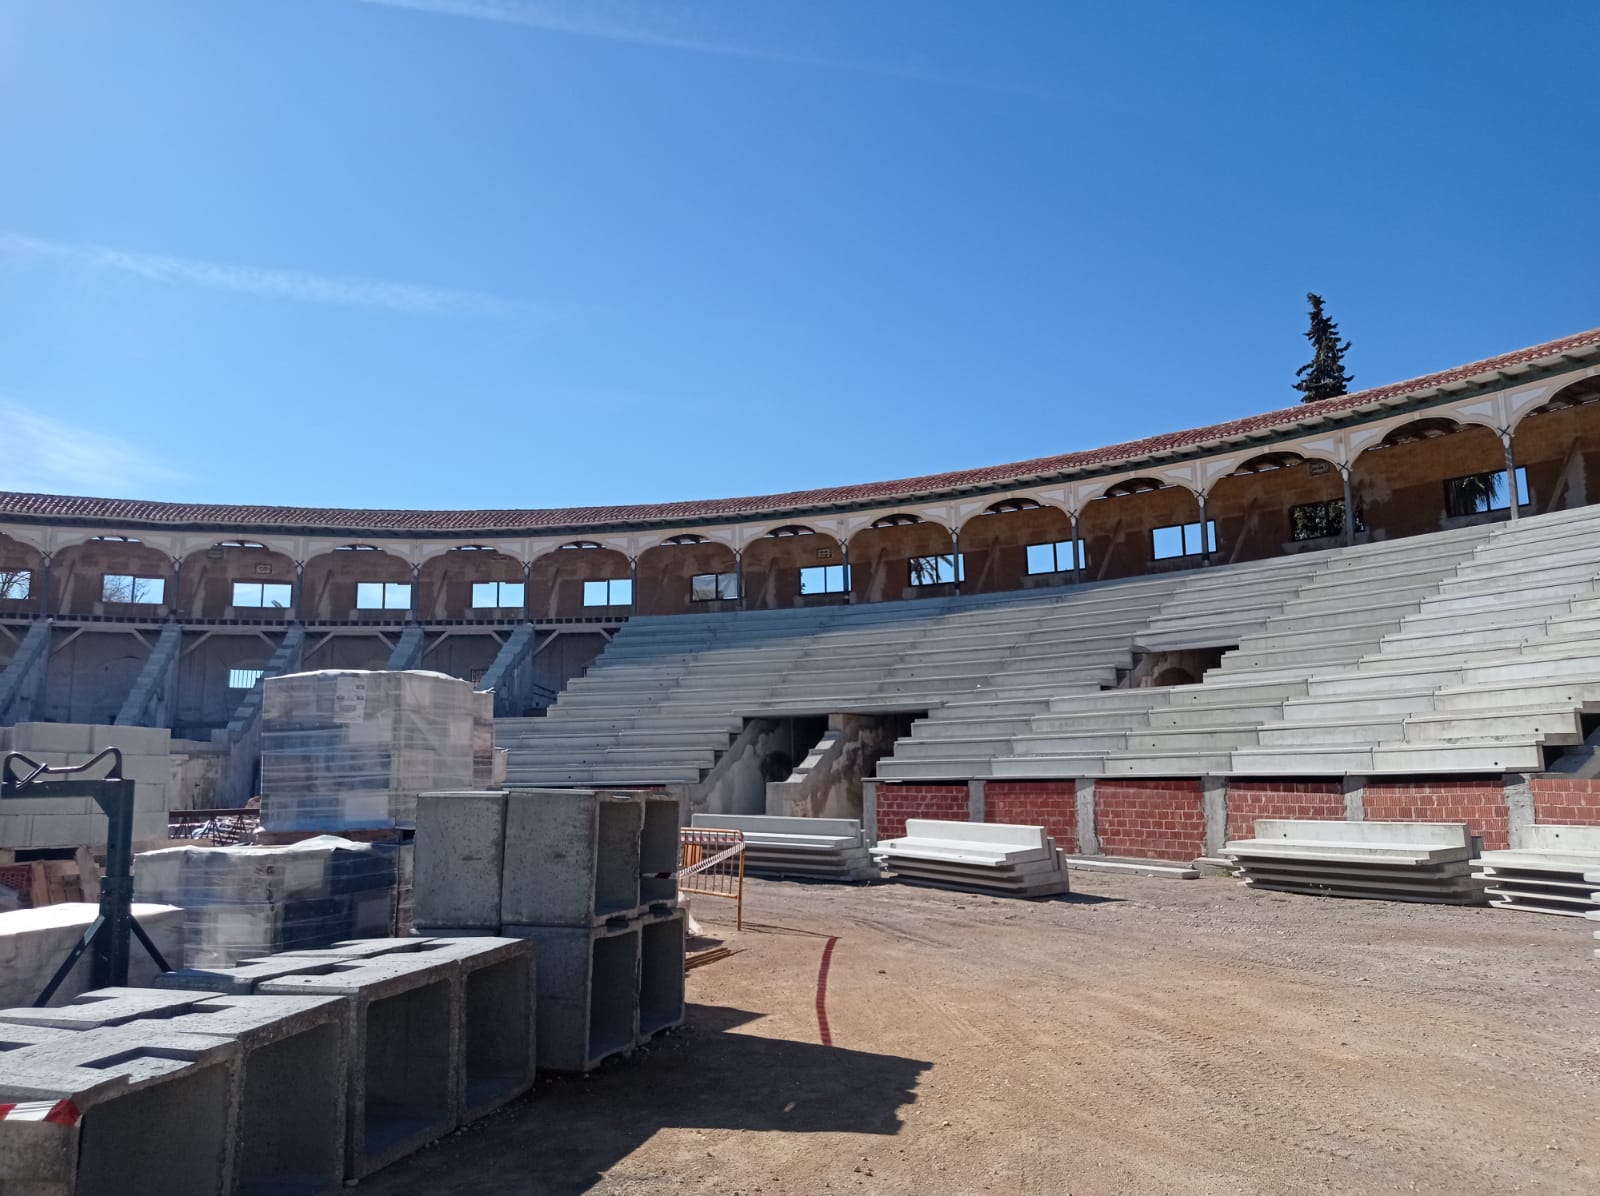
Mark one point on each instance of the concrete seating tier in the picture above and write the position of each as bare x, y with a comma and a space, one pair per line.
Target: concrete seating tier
1546, 874
1389, 861
814, 848
669, 695
1463, 651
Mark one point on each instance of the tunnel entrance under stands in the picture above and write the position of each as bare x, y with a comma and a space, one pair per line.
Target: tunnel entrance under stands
815, 764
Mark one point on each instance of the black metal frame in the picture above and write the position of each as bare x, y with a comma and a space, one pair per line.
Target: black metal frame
109, 933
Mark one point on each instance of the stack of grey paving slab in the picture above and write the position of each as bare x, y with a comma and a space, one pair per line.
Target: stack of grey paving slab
439, 1031
814, 848
588, 877
985, 857
1546, 874
244, 902
1387, 861
1593, 881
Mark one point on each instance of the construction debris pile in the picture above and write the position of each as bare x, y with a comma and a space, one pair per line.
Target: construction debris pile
1393, 861
812, 848
244, 902
1549, 874
985, 857
587, 876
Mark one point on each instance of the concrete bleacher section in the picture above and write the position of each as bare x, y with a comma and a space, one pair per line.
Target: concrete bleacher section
1388, 861
814, 848
982, 857
670, 694
1546, 873
1463, 651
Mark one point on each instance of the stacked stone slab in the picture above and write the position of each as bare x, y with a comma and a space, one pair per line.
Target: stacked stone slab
813, 848
985, 857
1388, 861
35, 942
1593, 880
1546, 874
348, 749
587, 877
441, 1031
243, 902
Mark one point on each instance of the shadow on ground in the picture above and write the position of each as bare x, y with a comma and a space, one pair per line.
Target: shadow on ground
573, 1130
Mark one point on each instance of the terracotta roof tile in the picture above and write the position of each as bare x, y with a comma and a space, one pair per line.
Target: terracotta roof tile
139, 513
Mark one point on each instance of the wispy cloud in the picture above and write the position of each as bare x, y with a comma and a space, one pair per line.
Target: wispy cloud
262, 281
47, 455
636, 25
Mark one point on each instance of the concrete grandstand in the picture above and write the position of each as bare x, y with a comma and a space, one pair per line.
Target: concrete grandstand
1380, 606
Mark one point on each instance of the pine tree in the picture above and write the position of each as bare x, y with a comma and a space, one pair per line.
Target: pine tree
1323, 377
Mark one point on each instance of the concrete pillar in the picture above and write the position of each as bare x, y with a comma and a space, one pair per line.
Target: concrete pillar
1511, 471
527, 589
633, 582
1519, 808
174, 603
955, 557
44, 589
1355, 791
1205, 537
1073, 515
1088, 837
299, 591
869, 809
1349, 506
849, 586
1214, 805
738, 574
976, 807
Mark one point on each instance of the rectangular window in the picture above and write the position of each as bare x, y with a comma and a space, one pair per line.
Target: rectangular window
1182, 540
492, 595
1317, 520
1056, 558
1480, 492
142, 591
16, 583
608, 593
244, 678
383, 595
937, 570
277, 594
711, 587
825, 579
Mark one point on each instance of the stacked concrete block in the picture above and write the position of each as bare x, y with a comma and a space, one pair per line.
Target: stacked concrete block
813, 848
35, 942
1389, 861
1546, 874
120, 1109
244, 902
1592, 879
985, 857
403, 1087
78, 822
582, 875
348, 749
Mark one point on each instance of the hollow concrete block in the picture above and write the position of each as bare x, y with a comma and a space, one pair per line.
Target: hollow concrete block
404, 1051
658, 850
588, 993
460, 842
291, 1086
122, 1109
572, 857
660, 975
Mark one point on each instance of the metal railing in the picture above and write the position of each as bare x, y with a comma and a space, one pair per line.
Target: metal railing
711, 864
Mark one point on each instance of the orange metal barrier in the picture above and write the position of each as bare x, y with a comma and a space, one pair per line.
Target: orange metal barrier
711, 863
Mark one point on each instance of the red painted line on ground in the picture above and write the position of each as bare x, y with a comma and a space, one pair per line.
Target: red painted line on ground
822, 993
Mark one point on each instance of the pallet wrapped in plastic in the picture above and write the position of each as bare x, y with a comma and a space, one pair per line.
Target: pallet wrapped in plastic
244, 902
347, 749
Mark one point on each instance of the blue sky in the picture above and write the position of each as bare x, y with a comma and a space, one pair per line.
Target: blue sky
526, 253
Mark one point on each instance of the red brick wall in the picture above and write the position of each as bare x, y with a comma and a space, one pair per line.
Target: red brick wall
1159, 820
1563, 801
1050, 804
896, 803
1249, 800
1481, 804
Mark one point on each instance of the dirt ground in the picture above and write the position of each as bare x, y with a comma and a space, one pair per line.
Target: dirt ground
1144, 1036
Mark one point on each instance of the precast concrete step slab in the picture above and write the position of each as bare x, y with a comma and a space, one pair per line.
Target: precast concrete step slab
1316, 853
1166, 764
1551, 883
1507, 755
1330, 731
1549, 727
1131, 867
1357, 875
889, 769
1452, 897
1039, 768
1527, 906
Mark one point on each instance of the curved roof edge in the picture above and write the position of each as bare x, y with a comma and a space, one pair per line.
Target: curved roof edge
35, 508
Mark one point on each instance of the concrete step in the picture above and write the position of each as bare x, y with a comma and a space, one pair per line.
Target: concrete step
1549, 726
